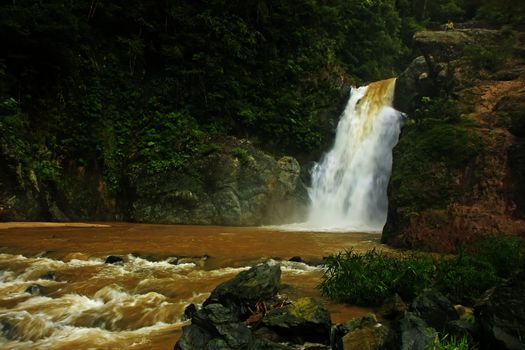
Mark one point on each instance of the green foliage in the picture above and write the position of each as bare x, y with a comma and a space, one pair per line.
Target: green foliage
241, 154
441, 108
167, 141
13, 124
134, 86
503, 12
506, 254
464, 277
448, 342
47, 168
436, 144
490, 58
369, 278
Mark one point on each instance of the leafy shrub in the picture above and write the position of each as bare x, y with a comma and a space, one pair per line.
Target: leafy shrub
464, 278
484, 58
505, 254
241, 154
368, 278
439, 108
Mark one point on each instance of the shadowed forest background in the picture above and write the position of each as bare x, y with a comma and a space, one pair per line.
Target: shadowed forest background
133, 85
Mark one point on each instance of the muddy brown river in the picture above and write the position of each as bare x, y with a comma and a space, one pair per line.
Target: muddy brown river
57, 292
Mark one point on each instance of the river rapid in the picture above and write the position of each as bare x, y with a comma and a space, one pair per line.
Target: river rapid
57, 292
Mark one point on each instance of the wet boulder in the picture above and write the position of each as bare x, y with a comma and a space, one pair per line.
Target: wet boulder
362, 333
501, 315
296, 258
189, 312
462, 329
113, 259
305, 319
35, 289
434, 308
415, 81
260, 283
416, 334
392, 308
50, 276
215, 326
219, 324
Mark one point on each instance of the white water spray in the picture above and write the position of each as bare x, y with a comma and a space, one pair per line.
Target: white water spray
349, 185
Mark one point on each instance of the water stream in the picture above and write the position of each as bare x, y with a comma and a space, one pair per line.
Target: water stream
78, 301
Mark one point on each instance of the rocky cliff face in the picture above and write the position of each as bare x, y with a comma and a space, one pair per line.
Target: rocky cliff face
26, 197
233, 184
236, 184
472, 180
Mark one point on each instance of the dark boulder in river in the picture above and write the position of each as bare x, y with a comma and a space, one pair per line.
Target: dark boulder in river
113, 259
245, 313
260, 283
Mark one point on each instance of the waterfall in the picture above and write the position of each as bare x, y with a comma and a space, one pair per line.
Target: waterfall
349, 184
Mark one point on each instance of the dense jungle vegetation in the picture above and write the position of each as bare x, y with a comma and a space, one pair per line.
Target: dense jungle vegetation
141, 85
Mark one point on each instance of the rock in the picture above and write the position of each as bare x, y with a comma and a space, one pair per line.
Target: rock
445, 46
362, 333
219, 324
464, 312
308, 346
189, 312
416, 334
476, 186
194, 338
392, 308
501, 315
462, 328
35, 289
296, 259
197, 260
216, 327
412, 84
215, 314
267, 334
236, 185
113, 259
434, 308
260, 283
513, 106
374, 337
305, 319
50, 276
25, 197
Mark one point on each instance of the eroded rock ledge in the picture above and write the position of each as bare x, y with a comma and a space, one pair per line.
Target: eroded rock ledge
484, 193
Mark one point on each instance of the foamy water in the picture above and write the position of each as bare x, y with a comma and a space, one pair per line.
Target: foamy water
91, 304
349, 185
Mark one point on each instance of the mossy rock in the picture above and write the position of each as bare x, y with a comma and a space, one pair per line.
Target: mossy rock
306, 319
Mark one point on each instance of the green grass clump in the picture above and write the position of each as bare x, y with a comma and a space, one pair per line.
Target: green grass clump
453, 343
506, 254
369, 278
463, 278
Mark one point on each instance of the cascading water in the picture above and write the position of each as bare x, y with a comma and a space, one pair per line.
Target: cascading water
349, 185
